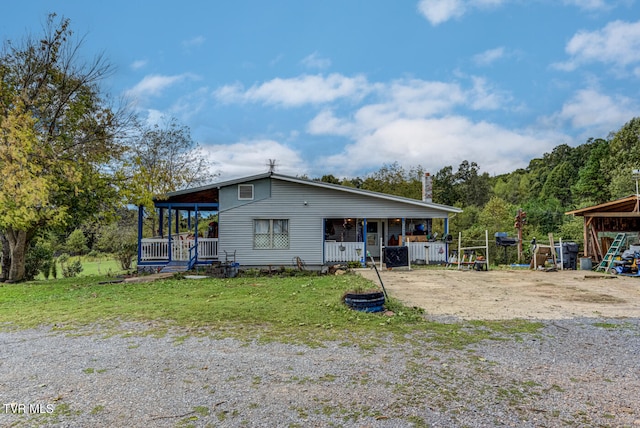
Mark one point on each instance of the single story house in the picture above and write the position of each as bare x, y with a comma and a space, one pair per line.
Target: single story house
278, 220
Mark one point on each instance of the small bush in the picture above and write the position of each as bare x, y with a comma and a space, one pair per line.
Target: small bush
38, 253
54, 269
69, 270
93, 254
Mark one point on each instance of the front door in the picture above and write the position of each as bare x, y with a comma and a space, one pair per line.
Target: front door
375, 231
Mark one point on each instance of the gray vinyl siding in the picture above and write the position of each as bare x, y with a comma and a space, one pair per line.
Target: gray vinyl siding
229, 194
306, 233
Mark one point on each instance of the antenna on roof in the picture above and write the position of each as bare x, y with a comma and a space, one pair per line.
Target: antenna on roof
272, 165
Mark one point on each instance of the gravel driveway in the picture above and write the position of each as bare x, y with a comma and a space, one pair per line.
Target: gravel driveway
582, 372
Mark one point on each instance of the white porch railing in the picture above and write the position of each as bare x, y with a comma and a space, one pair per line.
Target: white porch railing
343, 251
158, 248
430, 252
435, 252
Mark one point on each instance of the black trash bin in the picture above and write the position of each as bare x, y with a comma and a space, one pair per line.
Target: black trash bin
569, 255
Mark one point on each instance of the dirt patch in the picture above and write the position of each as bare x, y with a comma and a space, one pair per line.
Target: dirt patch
507, 294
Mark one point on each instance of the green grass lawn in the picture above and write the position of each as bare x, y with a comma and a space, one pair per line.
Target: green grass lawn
92, 266
306, 309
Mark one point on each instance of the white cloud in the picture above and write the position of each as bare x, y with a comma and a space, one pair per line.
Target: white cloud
439, 11
252, 157
294, 92
409, 99
194, 42
434, 143
489, 56
618, 43
155, 84
137, 65
482, 96
592, 110
415, 123
327, 123
276, 60
589, 5
316, 61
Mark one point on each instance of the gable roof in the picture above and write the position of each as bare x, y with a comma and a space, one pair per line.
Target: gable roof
384, 196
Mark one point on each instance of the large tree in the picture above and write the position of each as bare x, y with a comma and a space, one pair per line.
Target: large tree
164, 158
624, 157
56, 137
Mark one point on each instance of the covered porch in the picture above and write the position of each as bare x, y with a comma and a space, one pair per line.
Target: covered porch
351, 239
179, 233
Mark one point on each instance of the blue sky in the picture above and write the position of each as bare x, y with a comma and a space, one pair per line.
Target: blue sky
344, 86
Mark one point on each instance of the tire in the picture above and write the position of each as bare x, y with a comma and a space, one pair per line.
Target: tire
366, 302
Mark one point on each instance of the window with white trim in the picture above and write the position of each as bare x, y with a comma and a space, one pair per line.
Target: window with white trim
270, 234
245, 192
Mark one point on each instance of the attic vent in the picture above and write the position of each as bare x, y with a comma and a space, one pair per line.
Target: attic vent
245, 191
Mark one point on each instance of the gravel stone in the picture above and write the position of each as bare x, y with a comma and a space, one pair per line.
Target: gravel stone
580, 373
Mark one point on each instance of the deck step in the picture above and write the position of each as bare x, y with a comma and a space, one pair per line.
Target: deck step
175, 267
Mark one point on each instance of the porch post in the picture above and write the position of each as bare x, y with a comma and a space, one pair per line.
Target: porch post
140, 217
364, 238
324, 240
169, 235
177, 221
404, 231
195, 238
161, 223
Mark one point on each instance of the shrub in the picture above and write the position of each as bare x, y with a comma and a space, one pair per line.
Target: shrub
77, 242
38, 254
54, 269
72, 269
69, 270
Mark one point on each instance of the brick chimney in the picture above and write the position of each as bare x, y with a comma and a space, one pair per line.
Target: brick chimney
427, 188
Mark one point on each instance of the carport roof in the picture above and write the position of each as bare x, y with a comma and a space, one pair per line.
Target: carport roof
623, 207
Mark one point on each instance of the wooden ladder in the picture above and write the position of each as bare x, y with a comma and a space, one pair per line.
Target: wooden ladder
612, 252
